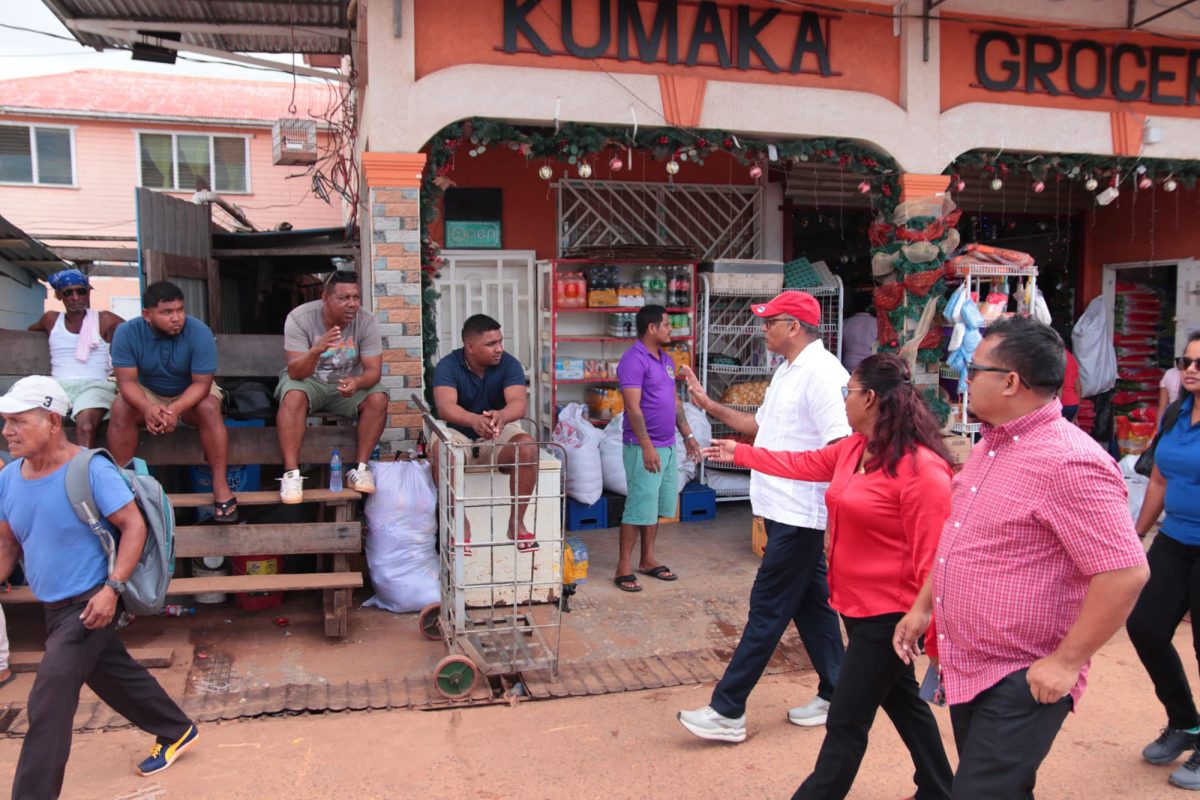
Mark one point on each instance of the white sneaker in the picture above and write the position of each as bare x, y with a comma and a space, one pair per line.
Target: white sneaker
291, 487
361, 480
811, 715
708, 724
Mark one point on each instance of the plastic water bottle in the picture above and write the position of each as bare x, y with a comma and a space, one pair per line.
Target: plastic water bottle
335, 472
178, 611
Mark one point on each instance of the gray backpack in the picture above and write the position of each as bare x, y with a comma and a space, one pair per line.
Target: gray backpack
146, 588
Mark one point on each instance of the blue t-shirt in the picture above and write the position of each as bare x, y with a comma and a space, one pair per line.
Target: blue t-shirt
63, 558
165, 364
1178, 459
476, 394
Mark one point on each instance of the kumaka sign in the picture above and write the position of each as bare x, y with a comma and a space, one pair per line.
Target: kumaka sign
754, 41
1095, 71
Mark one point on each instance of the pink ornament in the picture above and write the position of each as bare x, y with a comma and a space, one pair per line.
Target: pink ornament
755, 172
1144, 182
616, 164
961, 185
864, 187
1039, 187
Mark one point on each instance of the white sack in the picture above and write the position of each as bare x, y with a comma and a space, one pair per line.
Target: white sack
401, 534
581, 440
1093, 349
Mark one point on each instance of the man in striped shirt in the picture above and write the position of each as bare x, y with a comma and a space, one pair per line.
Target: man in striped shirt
1037, 567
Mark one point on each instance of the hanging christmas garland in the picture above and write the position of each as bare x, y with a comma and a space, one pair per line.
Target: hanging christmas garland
578, 144
1092, 171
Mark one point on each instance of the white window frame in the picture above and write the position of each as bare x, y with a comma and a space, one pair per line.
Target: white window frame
29, 126
174, 134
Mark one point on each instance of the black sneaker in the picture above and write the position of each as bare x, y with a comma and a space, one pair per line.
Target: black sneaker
1170, 745
1187, 775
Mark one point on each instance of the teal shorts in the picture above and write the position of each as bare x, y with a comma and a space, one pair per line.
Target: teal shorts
651, 494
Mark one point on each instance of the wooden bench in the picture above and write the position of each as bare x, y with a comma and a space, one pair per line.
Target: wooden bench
242, 357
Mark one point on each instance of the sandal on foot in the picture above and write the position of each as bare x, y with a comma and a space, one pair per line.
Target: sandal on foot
627, 583
662, 572
225, 511
527, 543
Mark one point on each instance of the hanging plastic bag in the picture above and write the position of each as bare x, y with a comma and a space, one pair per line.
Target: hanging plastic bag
401, 532
1094, 350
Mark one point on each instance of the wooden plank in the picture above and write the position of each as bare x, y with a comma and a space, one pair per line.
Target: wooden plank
149, 657
319, 249
265, 583
238, 355
71, 253
266, 498
212, 275
246, 446
192, 541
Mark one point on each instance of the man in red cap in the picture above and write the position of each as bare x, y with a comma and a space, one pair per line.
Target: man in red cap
803, 410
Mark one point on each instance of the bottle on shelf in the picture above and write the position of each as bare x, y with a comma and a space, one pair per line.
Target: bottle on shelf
654, 285
335, 472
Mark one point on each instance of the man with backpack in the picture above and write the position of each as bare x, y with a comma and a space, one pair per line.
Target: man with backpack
69, 572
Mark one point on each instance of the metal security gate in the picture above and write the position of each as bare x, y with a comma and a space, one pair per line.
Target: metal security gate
718, 221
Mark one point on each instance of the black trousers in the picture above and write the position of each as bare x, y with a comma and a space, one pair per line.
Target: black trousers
873, 677
1173, 590
76, 656
790, 587
1003, 735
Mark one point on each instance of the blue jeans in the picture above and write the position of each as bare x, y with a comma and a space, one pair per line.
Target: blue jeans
790, 587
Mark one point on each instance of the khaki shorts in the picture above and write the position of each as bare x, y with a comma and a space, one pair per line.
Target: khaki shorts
483, 452
86, 394
324, 396
213, 390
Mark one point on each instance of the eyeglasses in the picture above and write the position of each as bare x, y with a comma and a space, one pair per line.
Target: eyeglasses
846, 390
1184, 363
81, 291
769, 322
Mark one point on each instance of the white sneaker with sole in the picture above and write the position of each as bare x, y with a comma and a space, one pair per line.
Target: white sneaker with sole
810, 715
291, 487
361, 480
708, 724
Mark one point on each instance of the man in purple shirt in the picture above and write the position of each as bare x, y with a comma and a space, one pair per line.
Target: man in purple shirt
652, 412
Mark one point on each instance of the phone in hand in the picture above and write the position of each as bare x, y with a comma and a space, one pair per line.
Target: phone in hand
931, 690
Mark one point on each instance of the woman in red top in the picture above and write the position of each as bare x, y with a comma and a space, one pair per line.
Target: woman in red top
888, 498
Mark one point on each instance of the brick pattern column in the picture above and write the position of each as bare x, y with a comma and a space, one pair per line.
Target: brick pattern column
393, 284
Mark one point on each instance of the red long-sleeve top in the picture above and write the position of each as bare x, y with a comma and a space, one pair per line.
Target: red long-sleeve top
883, 530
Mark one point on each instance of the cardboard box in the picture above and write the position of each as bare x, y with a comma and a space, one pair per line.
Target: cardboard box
758, 537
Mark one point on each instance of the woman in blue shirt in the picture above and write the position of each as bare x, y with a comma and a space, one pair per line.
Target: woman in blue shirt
1174, 587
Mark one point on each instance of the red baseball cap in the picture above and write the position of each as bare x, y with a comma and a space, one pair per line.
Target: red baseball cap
800, 305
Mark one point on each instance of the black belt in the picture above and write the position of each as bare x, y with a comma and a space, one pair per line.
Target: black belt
71, 601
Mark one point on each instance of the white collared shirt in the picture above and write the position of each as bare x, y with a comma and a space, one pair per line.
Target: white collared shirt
803, 410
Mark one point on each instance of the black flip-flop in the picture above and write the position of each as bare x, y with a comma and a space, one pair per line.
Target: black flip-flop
662, 572
12, 676
627, 583
228, 509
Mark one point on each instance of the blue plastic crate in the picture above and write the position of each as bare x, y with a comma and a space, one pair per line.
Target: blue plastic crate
697, 502
586, 518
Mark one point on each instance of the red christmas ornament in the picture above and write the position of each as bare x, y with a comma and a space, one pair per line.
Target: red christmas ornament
960, 185
887, 190
1039, 187
864, 187
756, 172
844, 159
701, 143
616, 164
1145, 182
728, 143
664, 140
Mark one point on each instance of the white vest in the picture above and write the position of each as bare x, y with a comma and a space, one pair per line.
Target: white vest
63, 363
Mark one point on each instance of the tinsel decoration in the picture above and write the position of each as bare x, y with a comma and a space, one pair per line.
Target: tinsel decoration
939, 407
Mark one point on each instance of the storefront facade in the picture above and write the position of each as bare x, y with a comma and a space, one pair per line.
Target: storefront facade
1043, 82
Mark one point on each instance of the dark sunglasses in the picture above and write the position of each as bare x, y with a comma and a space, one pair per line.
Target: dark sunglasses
974, 369
1183, 362
81, 291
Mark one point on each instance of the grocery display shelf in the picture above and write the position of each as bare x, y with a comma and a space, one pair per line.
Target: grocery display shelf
726, 465
731, 369
759, 291
629, 339
984, 269
958, 426
613, 310
736, 330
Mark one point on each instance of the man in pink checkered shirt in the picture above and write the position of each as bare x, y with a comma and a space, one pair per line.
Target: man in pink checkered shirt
1038, 565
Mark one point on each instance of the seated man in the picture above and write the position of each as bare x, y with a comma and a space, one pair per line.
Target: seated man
165, 363
79, 340
479, 390
334, 362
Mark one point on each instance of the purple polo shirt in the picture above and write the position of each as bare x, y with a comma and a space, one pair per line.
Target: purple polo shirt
656, 378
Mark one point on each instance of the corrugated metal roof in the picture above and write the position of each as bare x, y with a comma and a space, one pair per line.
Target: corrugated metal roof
303, 18
18, 249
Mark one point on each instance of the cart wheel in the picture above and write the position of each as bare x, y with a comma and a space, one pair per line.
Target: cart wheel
430, 623
455, 677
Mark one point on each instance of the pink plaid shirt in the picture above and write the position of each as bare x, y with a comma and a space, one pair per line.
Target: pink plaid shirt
1036, 512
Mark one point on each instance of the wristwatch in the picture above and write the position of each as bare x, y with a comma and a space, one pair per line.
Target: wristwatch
689, 436
115, 585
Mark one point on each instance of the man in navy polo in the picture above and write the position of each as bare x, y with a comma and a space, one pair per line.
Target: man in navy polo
652, 412
165, 362
479, 391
